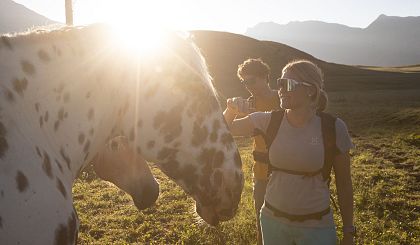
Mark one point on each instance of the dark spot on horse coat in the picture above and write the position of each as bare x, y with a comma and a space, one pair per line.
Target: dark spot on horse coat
38, 152
1, 223
59, 165
206, 157
44, 56
167, 153
66, 233
21, 181
169, 123
3, 142
65, 157
60, 114
150, 144
36, 107
86, 147
27, 67
138, 149
216, 127
200, 135
56, 125
219, 158
9, 95
41, 121
60, 88
81, 138
206, 106
46, 116
91, 114
20, 85
66, 97
61, 188
227, 140
46, 165
6, 42
237, 159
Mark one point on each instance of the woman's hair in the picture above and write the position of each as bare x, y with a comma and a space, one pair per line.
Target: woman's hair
253, 67
309, 72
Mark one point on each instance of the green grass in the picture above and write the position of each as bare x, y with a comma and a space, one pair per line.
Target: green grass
385, 127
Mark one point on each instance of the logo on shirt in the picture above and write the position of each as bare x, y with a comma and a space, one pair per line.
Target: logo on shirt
315, 141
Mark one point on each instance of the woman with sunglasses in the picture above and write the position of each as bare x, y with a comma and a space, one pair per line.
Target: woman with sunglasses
298, 148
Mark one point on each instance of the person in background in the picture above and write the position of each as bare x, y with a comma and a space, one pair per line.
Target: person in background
296, 209
254, 75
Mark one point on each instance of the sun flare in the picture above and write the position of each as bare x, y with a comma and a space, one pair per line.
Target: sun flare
137, 28
139, 39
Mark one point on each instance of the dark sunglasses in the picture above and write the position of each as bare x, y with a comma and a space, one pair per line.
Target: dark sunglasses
290, 85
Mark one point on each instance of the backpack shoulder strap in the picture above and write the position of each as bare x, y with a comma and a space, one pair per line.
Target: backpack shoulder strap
329, 139
273, 127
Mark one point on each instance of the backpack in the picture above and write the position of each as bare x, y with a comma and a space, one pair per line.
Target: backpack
330, 150
328, 136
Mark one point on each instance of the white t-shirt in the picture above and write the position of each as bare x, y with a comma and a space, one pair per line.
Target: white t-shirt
299, 149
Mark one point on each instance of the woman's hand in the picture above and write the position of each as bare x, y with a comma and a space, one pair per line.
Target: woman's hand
237, 106
241, 126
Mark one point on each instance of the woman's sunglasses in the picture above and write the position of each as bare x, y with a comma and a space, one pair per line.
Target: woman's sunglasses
290, 85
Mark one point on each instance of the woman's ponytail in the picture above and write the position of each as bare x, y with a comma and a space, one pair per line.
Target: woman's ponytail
322, 101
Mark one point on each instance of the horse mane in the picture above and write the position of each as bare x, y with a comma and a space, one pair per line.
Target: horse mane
99, 31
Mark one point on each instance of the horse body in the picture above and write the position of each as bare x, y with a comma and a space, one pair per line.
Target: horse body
65, 93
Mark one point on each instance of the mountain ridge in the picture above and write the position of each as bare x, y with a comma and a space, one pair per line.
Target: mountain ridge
387, 41
15, 17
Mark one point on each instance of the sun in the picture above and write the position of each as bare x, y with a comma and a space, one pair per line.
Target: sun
136, 25
138, 38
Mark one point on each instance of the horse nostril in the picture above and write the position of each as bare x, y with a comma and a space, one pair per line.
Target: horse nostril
148, 197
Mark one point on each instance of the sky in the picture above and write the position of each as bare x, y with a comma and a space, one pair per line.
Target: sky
224, 15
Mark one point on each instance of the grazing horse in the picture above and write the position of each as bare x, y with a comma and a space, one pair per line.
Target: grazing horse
65, 93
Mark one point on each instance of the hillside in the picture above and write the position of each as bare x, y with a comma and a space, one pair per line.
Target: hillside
387, 41
224, 51
15, 17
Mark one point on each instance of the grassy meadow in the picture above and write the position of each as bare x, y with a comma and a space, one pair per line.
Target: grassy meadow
385, 127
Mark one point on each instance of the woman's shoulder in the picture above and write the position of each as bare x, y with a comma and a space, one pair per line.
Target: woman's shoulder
340, 125
260, 119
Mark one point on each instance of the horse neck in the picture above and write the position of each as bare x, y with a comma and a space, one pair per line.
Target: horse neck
61, 93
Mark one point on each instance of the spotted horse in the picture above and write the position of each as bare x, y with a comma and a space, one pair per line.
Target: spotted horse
65, 93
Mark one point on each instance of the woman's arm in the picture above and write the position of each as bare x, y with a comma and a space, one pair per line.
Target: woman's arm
344, 190
238, 127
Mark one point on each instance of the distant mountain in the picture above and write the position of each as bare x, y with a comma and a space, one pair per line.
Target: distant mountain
388, 41
224, 51
15, 17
